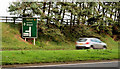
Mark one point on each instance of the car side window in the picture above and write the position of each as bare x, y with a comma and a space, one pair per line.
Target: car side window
98, 41
92, 40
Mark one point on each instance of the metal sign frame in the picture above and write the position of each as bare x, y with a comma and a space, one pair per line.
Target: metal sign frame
31, 32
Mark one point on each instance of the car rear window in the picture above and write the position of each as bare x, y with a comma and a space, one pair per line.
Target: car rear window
82, 40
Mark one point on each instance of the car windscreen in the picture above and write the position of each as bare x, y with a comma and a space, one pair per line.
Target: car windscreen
82, 40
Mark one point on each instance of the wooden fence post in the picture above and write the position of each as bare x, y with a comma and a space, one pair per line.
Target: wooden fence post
67, 21
14, 19
6, 19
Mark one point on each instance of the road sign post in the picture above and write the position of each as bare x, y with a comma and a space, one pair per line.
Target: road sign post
29, 28
34, 41
25, 39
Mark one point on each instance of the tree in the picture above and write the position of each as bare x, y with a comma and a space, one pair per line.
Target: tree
25, 9
99, 15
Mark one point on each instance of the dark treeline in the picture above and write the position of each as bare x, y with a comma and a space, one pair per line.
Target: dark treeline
102, 17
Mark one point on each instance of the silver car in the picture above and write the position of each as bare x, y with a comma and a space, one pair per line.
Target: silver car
90, 43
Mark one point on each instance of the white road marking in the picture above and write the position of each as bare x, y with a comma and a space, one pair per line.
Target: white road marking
71, 64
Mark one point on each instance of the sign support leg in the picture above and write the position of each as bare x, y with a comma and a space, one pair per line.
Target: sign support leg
34, 41
25, 39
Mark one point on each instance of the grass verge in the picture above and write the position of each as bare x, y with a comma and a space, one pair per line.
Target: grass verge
47, 56
11, 40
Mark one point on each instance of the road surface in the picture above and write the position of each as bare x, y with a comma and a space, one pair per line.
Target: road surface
93, 65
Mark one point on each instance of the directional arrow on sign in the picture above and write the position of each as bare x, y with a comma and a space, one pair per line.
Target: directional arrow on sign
24, 24
29, 27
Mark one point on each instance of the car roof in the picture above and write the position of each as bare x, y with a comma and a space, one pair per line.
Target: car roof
88, 38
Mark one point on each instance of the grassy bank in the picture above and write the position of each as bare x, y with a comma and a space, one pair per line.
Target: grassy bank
0, 35
11, 40
40, 56
111, 44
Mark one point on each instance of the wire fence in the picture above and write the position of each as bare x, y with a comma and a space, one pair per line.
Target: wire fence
16, 20
10, 19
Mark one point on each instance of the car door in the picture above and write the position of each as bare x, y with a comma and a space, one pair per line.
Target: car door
98, 43
94, 43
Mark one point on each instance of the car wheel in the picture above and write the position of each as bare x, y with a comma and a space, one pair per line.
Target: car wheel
77, 48
91, 47
104, 47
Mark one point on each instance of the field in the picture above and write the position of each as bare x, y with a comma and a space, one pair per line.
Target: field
18, 51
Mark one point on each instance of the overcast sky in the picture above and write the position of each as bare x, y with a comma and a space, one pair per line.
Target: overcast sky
4, 7
4, 4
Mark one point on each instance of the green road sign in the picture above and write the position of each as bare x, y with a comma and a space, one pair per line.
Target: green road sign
29, 28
